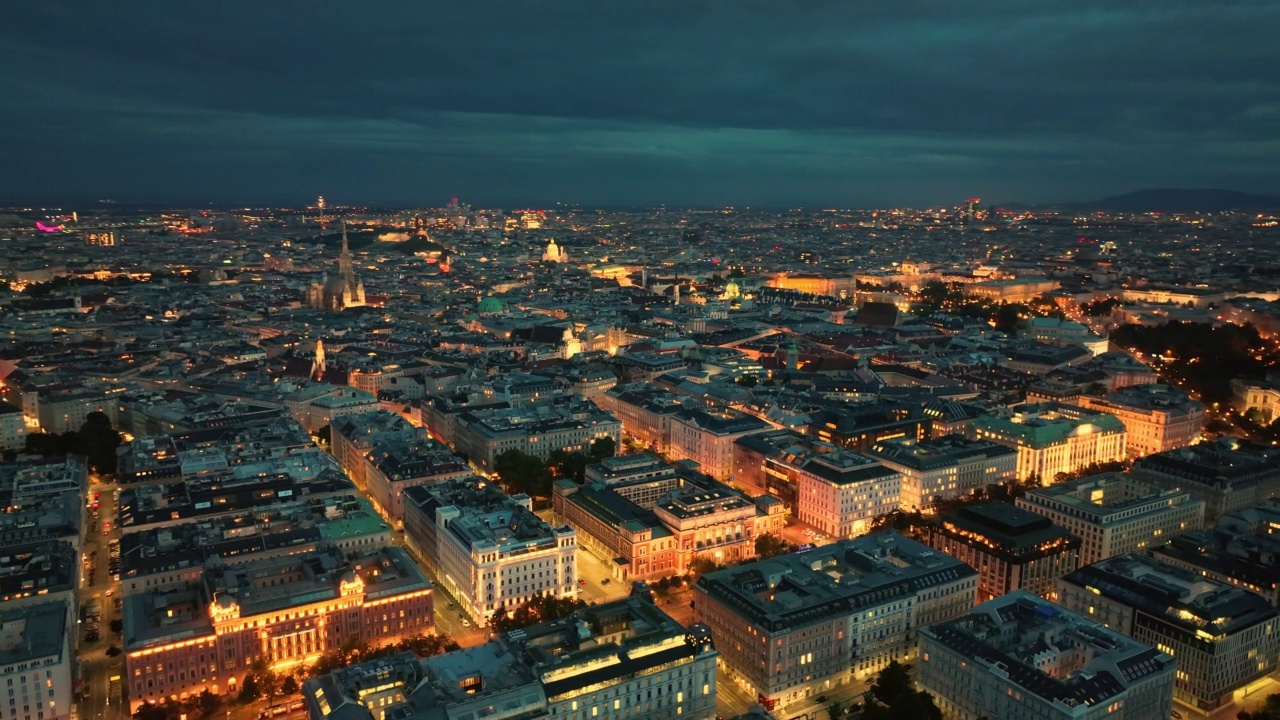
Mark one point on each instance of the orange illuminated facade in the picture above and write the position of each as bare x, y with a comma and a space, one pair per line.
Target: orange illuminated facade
288, 610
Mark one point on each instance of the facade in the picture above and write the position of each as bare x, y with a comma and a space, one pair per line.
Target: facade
700, 518
1116, 513
1015, 290
289, 610
1256, 396
620, 660
944, 469
1156, 417
489, 550
1053, 439
842, 492
642, 478
796, 626
645, 412
37, 661
483, 435
1222, 637
706, 436
1228, 474
13, 427
1021, 657
1012, 549
395, 467
764, 463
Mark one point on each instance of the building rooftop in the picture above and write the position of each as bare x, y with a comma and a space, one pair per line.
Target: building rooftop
1109, 496
1198, 604
1012, 533
844, 467
799, 589
486, 517
32, 632
1223, 463
1048, 651
944, 452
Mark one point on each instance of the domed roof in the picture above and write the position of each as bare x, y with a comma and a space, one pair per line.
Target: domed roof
491, 305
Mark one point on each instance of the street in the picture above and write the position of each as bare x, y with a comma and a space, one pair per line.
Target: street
103, 698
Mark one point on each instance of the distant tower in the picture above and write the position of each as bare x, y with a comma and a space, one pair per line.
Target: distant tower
677, 288
644, 277
320, 204
318, 365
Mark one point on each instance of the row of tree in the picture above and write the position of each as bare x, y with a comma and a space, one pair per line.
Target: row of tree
95, 439
523, 473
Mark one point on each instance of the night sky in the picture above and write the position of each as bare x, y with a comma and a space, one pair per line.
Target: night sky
852, 103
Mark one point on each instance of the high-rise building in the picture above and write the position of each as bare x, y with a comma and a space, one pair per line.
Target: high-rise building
1222, 637
1021, 657
797, 626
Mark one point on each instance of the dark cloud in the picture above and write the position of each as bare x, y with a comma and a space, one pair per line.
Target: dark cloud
808, 102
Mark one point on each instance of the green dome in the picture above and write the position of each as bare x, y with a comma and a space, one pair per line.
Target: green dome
491, 305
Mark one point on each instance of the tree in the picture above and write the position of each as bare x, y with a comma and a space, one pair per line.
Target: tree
98, 441
523, 473
1270, 710
770, 545
152, 711
204, 704
249, 689
603, 448
835, 710
289, 686
701, 566
893, 695
536, 610
325, 435
748, 381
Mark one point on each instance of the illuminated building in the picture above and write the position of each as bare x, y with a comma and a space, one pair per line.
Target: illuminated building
1156, 417
842, 492
1228, 474
489, 550
1184, 296
765, 463
554, 253
699, 518
1011, 549
1240, 551
1010, 291
814, 283
1261, 397
1222, 637
706, 436
169, 557
342, 291
621, 660
37, 660
797, 626
645, 412
287, 610
1115, 513
944, 469
859, 426
642, 478
1053, 439
1021, 657
101, 238
484, 434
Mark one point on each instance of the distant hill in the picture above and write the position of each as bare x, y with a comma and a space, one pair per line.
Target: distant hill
1176, 200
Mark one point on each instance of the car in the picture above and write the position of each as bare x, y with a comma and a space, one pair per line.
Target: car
106, 533
605, 581
466, 623
822, 699
111, 592
582, 581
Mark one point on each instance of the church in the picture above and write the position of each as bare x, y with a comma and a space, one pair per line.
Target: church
342, 291
555, 253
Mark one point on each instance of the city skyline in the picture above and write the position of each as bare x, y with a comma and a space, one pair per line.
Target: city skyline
530, 103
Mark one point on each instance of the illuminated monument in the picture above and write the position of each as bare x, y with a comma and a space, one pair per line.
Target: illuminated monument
340, 292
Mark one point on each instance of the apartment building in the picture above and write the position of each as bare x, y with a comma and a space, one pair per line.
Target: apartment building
1116, 513
1222, 637
947, 468
1156, 417
842, 492
797, 626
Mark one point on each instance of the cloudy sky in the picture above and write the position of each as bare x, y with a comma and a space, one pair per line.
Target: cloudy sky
848, 103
